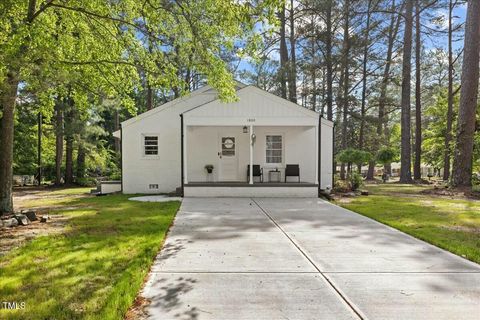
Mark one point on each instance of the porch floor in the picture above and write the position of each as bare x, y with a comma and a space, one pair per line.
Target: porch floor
246, 184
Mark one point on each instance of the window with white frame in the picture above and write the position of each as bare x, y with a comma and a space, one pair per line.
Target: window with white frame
150, 145
274, 149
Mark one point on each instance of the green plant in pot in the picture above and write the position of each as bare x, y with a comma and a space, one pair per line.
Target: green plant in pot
209, 168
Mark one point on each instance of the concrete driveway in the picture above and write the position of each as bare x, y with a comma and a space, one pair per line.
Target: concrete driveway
264, 258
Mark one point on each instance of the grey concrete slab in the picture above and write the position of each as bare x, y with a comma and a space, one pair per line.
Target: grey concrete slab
432, 296
209, 206
226, 259
220, 223
384, 251
339, 240
230, 252
223, 234
243, 296
240, 215
297, 215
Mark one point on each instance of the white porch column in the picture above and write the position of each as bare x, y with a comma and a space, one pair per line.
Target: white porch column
316, 154
251, 154
185, 155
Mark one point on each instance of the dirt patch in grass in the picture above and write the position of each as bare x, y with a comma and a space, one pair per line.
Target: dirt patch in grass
44, 200
342, 199
11, 238
472, 230
451, 193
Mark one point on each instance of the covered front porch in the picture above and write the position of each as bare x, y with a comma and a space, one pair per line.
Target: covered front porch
279, 140
231, 150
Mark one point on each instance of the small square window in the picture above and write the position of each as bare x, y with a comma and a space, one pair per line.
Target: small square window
150, 145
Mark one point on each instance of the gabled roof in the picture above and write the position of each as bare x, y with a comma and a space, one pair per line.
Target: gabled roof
242, 90
283, 107
203, 90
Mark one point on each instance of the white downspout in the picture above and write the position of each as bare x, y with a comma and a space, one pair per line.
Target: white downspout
251, 154
185, 155
316, 154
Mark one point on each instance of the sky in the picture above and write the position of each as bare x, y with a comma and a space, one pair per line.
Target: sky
429, 42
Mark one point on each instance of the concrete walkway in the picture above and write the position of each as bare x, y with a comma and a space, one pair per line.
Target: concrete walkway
302, 259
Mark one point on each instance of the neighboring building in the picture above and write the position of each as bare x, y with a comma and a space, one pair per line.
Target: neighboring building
426, 171
167, 148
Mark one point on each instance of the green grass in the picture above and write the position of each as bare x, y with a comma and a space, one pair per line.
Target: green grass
56, 198
452, 224
94, 269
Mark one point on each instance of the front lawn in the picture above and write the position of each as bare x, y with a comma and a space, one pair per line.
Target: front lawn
94, 268
449, 223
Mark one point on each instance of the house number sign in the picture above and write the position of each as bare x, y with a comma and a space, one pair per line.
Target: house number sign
251, 120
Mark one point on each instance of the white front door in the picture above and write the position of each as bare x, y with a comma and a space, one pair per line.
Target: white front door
228, 163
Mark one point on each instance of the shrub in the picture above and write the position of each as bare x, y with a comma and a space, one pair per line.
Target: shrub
115, 176
354, 156
476, 179
86, 182
356, 181
386, 156
342, 186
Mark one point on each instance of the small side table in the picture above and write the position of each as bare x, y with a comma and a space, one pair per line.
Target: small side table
274, 176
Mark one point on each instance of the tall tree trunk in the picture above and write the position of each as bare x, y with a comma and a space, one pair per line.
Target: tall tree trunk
406, 152
69, 131
39, 148
361, 137
58, 141
345, 100
314, 88
69, 159
8, 97
463, 158
283, 55
81, 154
292, 70
328, 60
116, 126
417, 174
448, 132
371, 170
313, 69
382, 101
149, 96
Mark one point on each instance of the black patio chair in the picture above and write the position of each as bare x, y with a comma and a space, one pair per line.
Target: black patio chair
292, 170
257, 172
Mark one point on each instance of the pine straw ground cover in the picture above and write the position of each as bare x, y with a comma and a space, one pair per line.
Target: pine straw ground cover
451, 222
94, 267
